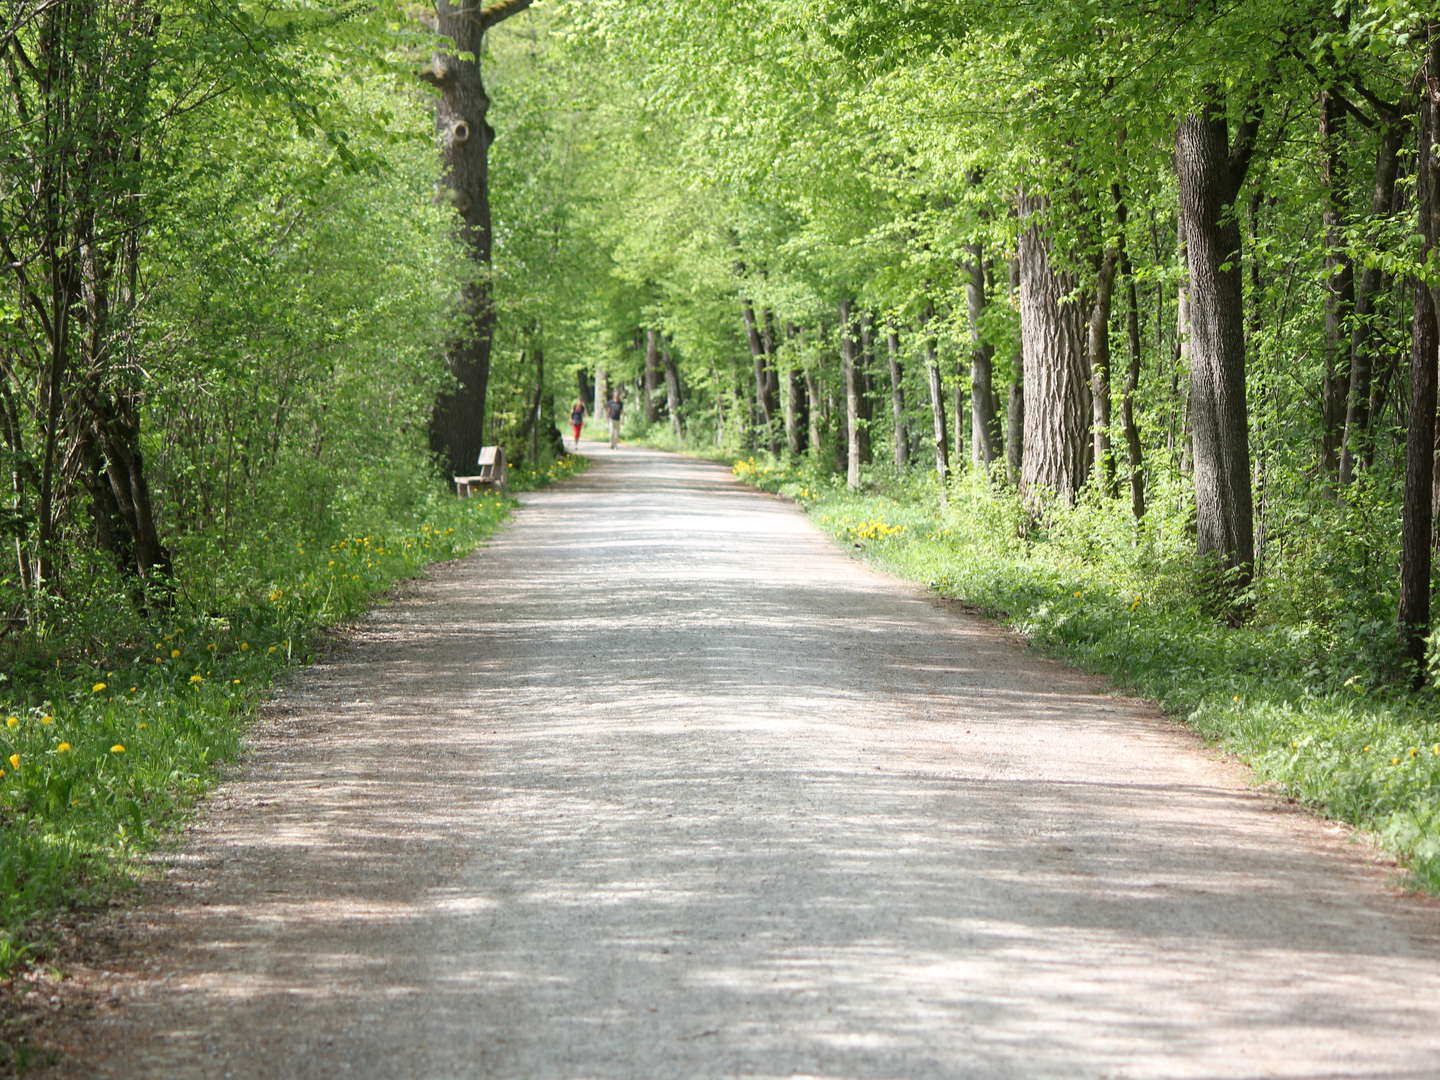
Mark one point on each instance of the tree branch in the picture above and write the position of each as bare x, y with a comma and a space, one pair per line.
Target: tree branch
500, 11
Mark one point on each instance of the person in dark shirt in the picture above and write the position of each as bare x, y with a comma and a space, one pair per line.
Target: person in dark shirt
613, 408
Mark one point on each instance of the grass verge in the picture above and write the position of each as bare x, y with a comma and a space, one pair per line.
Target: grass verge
1304, 702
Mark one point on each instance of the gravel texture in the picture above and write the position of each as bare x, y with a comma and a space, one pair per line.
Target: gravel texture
662, 784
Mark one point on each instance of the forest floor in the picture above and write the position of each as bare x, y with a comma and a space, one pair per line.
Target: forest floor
660, 783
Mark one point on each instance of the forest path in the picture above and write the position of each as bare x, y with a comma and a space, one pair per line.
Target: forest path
661, 784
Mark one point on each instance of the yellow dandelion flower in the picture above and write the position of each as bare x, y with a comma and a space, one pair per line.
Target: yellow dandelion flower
212, 647
2, 774
142, 725
12, 721
134, 689
99, 686
197, 678
174, 654
271, 649
1414, 750
1394, 761
47, 720
1367, 749
244, 646
1079, 592
118, 748
234, 682
14, 761
63, 748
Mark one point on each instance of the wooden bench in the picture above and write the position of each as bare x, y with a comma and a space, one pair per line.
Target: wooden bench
491, 474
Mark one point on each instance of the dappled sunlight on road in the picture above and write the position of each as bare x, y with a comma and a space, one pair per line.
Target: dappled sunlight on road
661, 785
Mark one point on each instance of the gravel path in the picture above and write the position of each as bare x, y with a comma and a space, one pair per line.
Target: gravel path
662, 784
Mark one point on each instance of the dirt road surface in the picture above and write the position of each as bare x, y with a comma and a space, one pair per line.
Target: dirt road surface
661, 784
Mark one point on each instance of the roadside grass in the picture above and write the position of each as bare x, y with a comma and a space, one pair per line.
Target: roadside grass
1310, 704
109, 737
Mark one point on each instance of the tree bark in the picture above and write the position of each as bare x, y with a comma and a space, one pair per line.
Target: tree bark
941, 439
1132, 371
797, 404
901, 442
1339, 284
849, 366
1098, 351
984, 419
864, 365
1210, 173
457, 424
1056, 425
650, 381
1417, 527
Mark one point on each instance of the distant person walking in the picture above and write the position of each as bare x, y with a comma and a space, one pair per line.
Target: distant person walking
613, 408
577, 419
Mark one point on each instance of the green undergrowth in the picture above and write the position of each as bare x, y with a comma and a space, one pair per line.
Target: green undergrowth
108, 735
1303, 693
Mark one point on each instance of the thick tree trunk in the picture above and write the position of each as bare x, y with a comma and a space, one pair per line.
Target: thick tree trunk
766, 403
1056, 426
984, 421
1210, 174
1417, 528
940, 438
1132, 372
897, 402
457, 425
849, 366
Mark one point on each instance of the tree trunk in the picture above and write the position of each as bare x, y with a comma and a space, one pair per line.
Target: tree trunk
1416, 551
941, 438
849, 366
897, 402
1132, 371
1210, 173
817, 414
984, 421
1015, 399
1052, 337
1098, 351
864, 365
762, 355
650, 382
457, 425
797, 405
1339, 284
1393, 132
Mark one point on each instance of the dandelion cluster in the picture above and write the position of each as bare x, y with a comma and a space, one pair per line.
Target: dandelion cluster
874, 529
